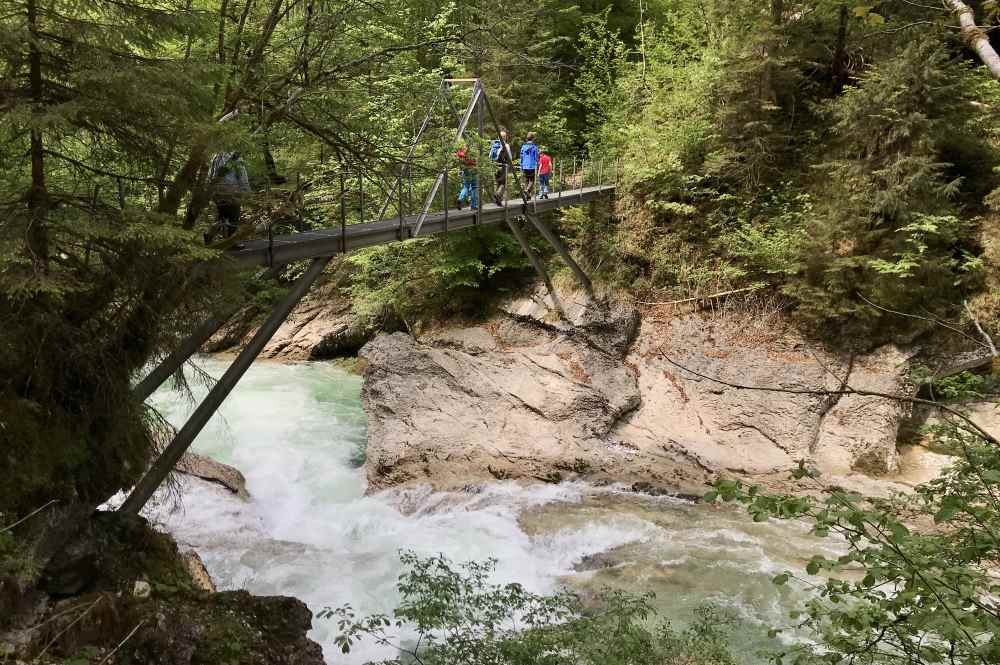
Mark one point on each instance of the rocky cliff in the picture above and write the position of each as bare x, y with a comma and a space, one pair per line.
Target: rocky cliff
619, 395
114, 590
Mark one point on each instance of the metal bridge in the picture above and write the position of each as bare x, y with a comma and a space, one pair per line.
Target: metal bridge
282, 249
320, 246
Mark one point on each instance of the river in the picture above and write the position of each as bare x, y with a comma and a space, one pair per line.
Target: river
295, 430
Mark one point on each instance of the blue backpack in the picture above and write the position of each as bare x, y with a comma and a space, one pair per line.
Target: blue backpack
495, 149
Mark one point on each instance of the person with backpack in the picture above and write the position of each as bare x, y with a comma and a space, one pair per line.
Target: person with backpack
529, 163
500, 155
470, 183
227, 177
544, 173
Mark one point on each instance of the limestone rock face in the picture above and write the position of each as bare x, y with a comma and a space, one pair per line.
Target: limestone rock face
317, 329
690, 371
321, 326
206, 468
199, 573
611, 395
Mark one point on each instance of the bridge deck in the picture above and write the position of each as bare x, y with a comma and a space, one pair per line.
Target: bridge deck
327, 242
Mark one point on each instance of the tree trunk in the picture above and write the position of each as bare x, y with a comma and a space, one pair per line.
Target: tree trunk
838, 68
304, 54
200, 195
38, 197
767, 91
975, 37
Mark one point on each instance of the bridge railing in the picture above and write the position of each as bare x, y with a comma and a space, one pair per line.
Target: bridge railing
350, 193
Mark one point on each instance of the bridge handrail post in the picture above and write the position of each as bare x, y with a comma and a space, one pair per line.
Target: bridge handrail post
559, 183
343, 212
574, 170
361, 191
399, 205
444, 198
506, 199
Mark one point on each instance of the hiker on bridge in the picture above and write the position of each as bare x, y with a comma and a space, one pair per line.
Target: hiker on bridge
529, 163
544, 173
470, 181
500, 155
228, 179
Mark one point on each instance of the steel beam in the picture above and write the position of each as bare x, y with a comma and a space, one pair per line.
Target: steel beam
165, 463
537, 264
542, 227
477, 93
188, 348
560, 248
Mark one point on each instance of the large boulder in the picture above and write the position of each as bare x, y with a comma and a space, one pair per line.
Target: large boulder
320, 327
697, 374
206, 468
603, 396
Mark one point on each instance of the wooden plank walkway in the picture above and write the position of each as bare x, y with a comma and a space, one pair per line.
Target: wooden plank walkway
328, 242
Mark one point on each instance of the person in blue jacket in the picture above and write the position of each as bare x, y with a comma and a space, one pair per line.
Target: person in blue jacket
529, 162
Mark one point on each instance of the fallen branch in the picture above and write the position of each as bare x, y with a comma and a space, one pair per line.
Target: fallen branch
989, 340
71, 624
708, 297
923, 318
122, 643
28, 516
975, 37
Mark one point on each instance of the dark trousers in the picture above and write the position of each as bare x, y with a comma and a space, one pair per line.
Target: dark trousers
228, 213
529, 181
500, 182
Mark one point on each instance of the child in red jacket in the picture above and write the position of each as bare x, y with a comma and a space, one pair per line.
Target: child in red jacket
544, 173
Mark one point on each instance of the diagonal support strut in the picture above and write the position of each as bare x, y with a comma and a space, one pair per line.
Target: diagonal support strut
165, 463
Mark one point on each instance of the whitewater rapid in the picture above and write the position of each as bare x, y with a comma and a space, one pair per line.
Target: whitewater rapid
309, 531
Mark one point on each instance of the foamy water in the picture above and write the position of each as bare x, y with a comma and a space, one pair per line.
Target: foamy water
310, 532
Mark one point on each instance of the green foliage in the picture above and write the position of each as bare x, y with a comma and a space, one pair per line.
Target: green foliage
418, 281
903, 591
964, 386
461, 618
892, 228
753, 154
15, 558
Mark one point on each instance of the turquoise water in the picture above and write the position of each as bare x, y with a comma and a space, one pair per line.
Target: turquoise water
310, 531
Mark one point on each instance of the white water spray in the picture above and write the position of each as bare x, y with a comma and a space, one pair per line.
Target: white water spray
310, 532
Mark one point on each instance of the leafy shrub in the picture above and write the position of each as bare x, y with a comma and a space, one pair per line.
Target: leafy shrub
460, 618
446, 275
918, 582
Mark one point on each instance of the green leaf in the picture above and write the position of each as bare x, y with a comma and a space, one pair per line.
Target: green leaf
781, 579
